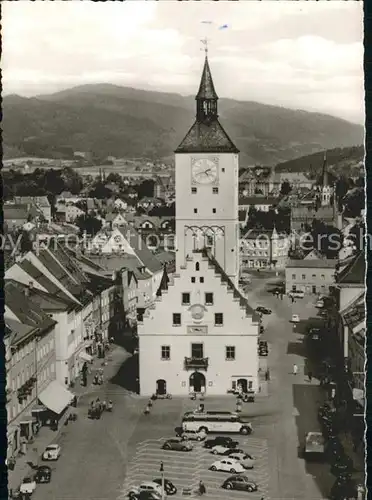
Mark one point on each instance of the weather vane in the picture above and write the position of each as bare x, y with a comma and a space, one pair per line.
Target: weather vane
205, 41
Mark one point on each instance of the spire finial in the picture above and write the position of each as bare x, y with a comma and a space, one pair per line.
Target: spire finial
205, 42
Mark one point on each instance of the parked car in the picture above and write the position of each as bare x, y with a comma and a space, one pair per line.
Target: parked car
148, 486
169, 487
244, 459
227, 465
177, 444
297, 294
241, 483
263, 310
295, 318
220, 440
52, 452
319, 304
28, 486
222, 450
43, 474
193, 435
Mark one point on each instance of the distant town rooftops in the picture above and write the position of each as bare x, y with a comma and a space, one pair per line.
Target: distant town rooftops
257, 200
312, 263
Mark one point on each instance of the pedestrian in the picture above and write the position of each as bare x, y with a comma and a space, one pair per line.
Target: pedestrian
295, 369
202, 488
310, 375
292, 298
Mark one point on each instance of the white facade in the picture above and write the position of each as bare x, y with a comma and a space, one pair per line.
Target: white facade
72, 213
207, 214
237, 332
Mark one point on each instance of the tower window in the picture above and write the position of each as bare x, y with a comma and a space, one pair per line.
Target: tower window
165, 352
215, 190
193, 279
194, 190
218, 319
201, 279
222, 169
185, 299
197, 266
214, 210
195, 210
176, 319
209, 299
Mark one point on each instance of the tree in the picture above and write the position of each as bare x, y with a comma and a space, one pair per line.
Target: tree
285, 188
342, 187
146, 189
360, 182
89, 224
115, 178
354, 202
328, 240
100, 191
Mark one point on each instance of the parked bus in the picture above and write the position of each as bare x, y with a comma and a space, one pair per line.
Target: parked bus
213, 421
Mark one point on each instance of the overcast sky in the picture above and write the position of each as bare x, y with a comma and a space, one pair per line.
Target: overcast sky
306, 55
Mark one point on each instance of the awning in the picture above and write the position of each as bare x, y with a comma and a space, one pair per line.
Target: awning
56, 397
358, 395
86, 357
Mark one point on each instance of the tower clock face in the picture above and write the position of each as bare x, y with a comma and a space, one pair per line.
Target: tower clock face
204, 171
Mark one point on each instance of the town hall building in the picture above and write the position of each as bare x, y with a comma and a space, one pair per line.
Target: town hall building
200, 335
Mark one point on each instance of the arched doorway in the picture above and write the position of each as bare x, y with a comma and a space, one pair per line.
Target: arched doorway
197, 382
242, 385
161, 387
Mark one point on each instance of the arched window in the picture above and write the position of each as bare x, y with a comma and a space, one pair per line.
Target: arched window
197, 266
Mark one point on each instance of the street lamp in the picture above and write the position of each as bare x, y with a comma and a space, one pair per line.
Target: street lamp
162, 480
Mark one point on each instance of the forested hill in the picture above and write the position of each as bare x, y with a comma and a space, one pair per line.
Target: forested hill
126, 122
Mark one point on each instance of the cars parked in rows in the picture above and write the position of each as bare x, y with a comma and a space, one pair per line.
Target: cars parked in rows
43, 474
52, 452
227, 465
223, 450
263, 310
28, 486
263, 348
241, 483
177, 444
244, 459
220, 440
148, 486
193, 435
169, 487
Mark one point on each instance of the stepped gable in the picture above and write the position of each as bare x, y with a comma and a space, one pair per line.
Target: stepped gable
230, 285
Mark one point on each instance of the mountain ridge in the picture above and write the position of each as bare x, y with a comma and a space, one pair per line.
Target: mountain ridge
112, 120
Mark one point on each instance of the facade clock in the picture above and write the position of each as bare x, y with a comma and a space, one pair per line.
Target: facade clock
204, 171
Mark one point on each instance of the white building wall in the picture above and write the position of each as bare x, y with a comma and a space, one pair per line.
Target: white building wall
157, 329
204, 201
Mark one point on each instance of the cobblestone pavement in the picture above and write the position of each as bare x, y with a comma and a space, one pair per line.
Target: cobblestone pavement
186, 469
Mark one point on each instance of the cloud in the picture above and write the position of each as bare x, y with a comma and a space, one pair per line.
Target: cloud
299, 54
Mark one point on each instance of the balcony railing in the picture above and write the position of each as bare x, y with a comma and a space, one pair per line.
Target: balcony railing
196, 363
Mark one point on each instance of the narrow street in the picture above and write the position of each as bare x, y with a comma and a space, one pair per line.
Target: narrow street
101, 457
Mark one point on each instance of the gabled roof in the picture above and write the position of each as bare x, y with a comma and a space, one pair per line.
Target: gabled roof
40, 278
139, 246
355, 272
312, 263
225, 279
17, 331
24, 308
207, 137
15, 212
257, 200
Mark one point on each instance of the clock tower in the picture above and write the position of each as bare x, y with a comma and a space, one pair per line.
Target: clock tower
207, 172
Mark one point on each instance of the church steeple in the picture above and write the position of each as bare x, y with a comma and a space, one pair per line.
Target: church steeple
206, 98
325, 180
206, 134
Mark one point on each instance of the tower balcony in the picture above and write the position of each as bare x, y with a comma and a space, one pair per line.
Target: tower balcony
196, 363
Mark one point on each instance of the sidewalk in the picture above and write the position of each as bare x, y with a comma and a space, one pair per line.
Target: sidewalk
45, 435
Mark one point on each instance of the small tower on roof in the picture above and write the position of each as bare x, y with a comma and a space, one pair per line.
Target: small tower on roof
327, 189
206, 134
